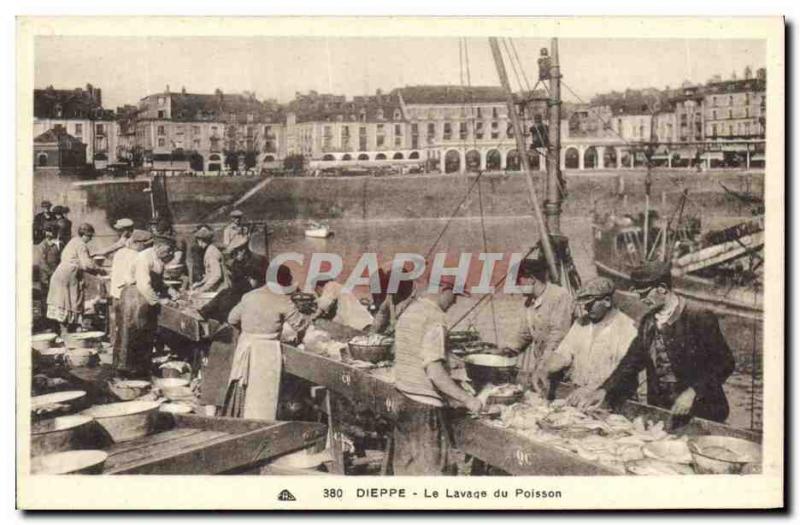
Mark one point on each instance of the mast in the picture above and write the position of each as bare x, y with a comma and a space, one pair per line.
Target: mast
552, 204
547, 248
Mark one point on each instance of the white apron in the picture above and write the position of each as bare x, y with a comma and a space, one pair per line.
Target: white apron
256, 366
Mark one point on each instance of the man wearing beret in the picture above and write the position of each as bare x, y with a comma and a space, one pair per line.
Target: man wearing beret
595, 344
548, 317
681, 348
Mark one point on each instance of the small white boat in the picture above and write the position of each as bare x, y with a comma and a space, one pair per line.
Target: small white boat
318, 231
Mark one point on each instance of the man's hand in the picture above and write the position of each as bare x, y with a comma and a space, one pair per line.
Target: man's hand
592, 399
540, 382
683, 404
578, 395
173, 293
473, 404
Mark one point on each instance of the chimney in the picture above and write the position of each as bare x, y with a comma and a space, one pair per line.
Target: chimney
167, 90
183, 90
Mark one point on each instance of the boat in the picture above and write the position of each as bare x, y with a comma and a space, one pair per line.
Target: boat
318, 231
719, 270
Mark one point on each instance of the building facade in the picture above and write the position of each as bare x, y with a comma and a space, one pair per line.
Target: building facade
57, 149
207, 133
80, 112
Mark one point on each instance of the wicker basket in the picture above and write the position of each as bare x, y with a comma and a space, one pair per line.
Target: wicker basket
370, 353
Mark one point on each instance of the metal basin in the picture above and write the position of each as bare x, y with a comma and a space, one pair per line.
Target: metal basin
723, 454
483, 369
58, 434
71, 462
127, 420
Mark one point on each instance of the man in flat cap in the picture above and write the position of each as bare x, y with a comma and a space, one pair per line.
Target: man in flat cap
681, 348
547, 319
215, 274
596, 343
125, 228
42, 219
235, 230
64, 224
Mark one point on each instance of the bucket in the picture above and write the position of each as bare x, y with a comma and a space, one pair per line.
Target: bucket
42, 341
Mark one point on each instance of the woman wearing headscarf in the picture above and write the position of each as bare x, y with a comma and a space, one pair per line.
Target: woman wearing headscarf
254, 380
65, 296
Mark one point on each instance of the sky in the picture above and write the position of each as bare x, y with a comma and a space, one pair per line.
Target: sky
129, 68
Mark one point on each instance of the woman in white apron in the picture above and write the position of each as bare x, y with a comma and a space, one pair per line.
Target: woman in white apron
254, 381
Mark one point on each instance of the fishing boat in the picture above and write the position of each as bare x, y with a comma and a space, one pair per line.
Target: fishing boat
719, 270
318, 231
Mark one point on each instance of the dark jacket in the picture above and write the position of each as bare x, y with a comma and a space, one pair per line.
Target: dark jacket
699, 356
64, 230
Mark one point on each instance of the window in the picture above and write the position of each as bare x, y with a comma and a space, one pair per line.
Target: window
249, 117
510, 131
379, 114
478, 113
213, 130
79, 129
398, 135
162, 113
462, 131
196, 143
479, 130
362, 138
179, 130
730, 100
397, 115
495, 128
448, 131
345, 137
162, 143
431, 131
162, 131
730, 114
494, 112
714, 101
196, 130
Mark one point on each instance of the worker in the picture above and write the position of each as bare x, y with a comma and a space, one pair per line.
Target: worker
47, 257
341, 306
596, 343
123, 273
254, 380
247, 272
547, 319
681, 348
65, 296
422, 441
42, 219
391, 305
138, 311
215, 274
64, 224
125, 228
233, 230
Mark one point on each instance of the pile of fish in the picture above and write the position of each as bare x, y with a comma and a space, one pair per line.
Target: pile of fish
611, 440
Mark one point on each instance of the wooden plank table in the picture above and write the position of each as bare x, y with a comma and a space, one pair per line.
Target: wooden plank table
189, 444
498, 447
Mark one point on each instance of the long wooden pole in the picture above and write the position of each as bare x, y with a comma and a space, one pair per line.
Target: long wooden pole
547, 248
552, 205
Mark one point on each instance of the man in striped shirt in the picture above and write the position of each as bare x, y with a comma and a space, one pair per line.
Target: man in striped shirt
422, 438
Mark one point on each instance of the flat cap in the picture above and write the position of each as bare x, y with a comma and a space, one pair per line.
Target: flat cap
651, 274
237, 243
595, 289
123, 223
58, 209
142, 236
236, 213
46, 204
204, 232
